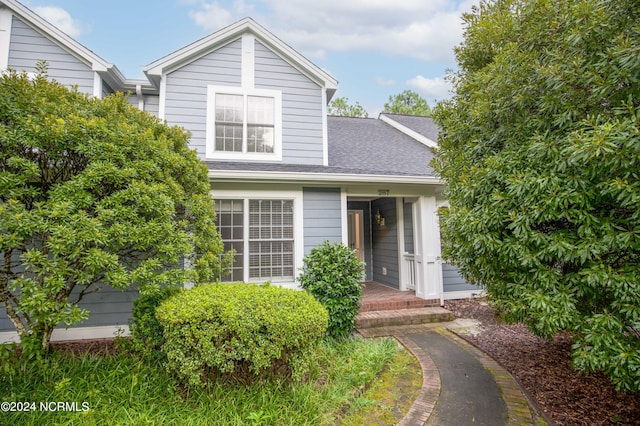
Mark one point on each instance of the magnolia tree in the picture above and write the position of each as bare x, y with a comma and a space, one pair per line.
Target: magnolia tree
540, 150
93, 192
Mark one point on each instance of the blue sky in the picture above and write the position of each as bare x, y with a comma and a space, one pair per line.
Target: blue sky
374, 48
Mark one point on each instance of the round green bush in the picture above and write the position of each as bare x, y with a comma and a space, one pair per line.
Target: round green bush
146, 331
241, 331
331, 273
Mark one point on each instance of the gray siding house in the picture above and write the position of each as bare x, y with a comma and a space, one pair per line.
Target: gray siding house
284, 175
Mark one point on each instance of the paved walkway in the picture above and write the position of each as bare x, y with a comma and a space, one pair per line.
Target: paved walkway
461, 384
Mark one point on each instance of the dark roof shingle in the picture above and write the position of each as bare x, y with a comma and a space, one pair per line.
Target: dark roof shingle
370, 146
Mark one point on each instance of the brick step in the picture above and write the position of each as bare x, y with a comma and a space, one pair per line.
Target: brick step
403, 317
392, 305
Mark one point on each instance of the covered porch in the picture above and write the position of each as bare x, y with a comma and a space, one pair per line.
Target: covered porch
398, 239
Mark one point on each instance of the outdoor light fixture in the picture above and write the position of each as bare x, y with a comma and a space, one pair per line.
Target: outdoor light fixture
379, 218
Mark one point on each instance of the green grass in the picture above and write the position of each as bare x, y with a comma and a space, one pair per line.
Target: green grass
123, 389
390, 395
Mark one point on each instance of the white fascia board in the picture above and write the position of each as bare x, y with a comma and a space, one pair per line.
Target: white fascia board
234, 31
301, 177
407, 131
51, 31
108, 71
302, 64
147, 88
194, 50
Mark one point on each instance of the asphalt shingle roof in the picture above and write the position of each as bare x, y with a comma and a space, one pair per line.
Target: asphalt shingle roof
359, 146
368, 145
423, 125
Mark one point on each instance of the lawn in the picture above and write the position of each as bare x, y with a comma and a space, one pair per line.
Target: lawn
120, 388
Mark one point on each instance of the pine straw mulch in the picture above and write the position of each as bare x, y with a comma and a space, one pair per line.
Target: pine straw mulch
544, 370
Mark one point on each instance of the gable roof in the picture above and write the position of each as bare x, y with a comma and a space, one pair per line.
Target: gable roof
421, 128
155, 70
107, 71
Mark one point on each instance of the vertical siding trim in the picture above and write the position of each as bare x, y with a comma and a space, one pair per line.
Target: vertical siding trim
6, 19
140, 97
97, 85
432, 285
248, 73
325, 137
344, 217
400, 236
163, 97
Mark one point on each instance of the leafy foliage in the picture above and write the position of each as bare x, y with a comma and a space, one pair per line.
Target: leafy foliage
540, 149
244, 331
331, 273
340, 106
146, 331
407, 103
121, 389
93, 192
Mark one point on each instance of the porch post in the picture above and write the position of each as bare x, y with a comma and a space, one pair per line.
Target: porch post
428, 261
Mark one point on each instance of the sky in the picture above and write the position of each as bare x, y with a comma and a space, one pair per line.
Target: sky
374, 48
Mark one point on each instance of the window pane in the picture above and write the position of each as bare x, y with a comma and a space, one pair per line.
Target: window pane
260, 110
229, 108
230, 223
270, 245
260, 139
229, 137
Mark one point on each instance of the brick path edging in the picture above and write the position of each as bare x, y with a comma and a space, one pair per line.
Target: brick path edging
520, 408
427, 398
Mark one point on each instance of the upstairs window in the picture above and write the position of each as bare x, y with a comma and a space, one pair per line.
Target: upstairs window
244, 125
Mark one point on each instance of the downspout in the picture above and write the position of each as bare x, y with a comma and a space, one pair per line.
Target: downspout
140, 97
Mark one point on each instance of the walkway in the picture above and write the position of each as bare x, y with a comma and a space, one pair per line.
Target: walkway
461, 384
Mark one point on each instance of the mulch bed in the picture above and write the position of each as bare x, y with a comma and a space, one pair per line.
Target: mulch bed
88, 346
544, 370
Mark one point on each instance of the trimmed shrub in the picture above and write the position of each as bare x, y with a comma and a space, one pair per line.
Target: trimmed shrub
332, 274
241, 331
146, 331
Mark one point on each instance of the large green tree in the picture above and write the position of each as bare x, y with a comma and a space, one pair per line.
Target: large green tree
93, 192
407, 103
540, 151
341, 107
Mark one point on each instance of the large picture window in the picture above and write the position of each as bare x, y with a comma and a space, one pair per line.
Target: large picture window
243, 125
262, 234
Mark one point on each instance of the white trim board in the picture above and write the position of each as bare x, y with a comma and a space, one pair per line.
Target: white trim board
76, 333
6, 20
409, 132
301, 177
464, 294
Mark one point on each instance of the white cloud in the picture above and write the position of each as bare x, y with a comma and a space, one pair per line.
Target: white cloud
61, 19
431, 88
212, 15
425, 30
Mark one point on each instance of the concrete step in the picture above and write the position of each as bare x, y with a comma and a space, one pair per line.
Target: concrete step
392, 305
414, 316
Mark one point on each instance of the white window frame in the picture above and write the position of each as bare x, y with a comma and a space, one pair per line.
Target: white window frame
210, 150
298, 227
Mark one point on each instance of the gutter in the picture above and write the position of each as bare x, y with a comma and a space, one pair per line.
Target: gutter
300, 177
